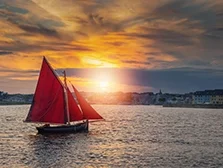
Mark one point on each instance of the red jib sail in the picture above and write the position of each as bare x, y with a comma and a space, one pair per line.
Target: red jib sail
88, 111
75, 112
48, 102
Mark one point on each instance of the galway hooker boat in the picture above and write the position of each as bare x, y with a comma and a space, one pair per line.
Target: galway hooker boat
54, 104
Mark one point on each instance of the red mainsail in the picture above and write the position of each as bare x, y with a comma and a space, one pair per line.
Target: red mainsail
48, 102
75, 112
88, 111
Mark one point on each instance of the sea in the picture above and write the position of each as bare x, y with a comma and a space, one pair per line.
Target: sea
131, 136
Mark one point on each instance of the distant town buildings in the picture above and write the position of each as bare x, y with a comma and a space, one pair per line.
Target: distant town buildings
6, 98
208, 97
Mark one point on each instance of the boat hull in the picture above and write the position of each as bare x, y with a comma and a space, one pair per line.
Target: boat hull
80, 127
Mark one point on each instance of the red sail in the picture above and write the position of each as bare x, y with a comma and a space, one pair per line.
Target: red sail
75, 112
88, 111
48, 102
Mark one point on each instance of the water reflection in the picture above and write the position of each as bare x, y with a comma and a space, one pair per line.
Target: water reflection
55, 150
132, 136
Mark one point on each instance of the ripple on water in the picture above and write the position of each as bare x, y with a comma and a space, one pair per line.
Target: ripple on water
131, 136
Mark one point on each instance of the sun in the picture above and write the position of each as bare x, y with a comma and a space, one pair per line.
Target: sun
103, 85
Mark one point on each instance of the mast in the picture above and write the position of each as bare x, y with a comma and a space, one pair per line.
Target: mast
66, 99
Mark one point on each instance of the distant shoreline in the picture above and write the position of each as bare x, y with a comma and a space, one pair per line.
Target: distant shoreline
14, 103
212, 106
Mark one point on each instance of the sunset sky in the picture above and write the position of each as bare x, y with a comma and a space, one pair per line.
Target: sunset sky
113, 45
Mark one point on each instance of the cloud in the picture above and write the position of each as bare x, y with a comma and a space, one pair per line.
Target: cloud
31, 28
219, 29
5, 52
18, 81
12, 8
39, 29
163, 36
142, 35
164, 26
19, 46
175, 80
30, 18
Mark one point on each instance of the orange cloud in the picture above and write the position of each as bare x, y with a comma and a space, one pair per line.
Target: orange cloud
116, 34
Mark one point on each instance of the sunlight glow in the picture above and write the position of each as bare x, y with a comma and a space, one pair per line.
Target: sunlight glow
91, 61
104, 85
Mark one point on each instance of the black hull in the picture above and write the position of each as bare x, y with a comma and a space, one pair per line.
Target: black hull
80, 127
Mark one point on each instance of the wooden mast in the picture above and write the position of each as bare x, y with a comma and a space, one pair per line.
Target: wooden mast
66, 99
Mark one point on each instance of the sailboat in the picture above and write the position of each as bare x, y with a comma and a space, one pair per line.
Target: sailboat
54, 105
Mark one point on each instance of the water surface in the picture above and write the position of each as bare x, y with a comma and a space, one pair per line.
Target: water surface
131, 136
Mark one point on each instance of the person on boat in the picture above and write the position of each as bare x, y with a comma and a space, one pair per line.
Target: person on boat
46, 125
